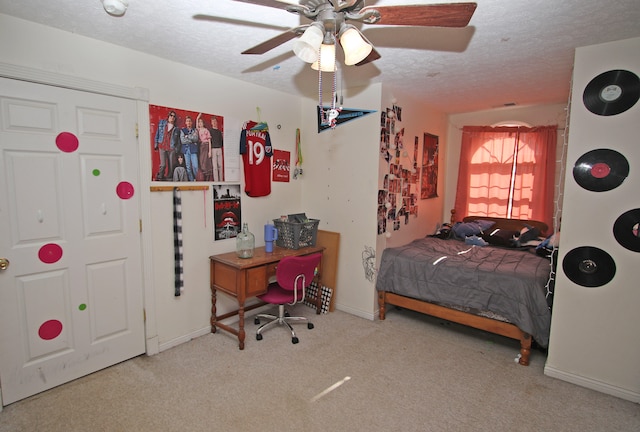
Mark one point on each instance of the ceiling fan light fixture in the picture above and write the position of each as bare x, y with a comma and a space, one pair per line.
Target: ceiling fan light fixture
327, 58
354, 45
307, 46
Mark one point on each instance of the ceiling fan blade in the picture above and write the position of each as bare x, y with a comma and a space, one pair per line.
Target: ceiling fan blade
276, 41
373, 56
203, 17
270, 3
431, 15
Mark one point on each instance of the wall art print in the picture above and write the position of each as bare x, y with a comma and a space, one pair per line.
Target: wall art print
227, 211
186, 145
429, 181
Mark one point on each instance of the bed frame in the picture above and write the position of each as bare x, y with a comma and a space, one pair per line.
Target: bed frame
480, 322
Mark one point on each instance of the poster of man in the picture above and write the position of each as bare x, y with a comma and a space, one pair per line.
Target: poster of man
186, 145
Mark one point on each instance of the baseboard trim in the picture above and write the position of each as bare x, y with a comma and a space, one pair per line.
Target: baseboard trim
592, 384
182, 339
356, 312
206, 330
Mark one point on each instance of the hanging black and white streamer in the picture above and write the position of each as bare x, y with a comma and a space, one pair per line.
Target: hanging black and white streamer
177, 241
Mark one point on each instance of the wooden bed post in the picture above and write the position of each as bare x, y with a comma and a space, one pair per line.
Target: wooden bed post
381, 305
525, 349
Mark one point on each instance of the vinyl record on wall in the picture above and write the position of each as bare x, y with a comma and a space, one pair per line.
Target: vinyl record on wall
589, 266
601, 170
612, 92
626, 230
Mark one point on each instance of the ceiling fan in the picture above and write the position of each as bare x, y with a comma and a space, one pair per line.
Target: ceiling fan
330, 26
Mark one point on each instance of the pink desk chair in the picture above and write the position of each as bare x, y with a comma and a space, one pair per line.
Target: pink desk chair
293, 275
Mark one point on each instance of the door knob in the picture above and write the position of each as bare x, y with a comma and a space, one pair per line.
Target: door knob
4, 263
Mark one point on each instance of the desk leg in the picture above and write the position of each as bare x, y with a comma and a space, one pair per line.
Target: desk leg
241, 333
213, 310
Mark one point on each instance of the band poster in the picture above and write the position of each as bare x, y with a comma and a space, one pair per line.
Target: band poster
186, 145
227, 211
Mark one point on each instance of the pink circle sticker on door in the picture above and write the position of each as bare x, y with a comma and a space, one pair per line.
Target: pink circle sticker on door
50, 253
50, 329
124, 190
67, 142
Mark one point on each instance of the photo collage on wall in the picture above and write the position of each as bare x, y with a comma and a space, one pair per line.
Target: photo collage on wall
397, 200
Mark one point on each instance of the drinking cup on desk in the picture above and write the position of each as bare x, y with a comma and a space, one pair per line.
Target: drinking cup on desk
270, 235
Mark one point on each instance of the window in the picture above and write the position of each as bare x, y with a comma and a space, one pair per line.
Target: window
507, 172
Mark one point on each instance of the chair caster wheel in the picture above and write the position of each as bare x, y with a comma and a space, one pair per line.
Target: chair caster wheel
258, 337
256, 321
286, 313
309, 326
294, 340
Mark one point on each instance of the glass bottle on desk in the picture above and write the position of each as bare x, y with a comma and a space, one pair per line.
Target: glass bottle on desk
245, 242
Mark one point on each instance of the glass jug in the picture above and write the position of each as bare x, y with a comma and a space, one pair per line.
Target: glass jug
245, 242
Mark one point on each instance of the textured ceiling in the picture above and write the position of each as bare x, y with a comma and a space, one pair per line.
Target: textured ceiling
513, 51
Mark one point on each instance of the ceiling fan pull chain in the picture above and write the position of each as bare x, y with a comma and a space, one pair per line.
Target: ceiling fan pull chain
320, 107
334, 112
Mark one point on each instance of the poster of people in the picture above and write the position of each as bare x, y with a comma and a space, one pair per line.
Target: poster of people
227, 220
186, 145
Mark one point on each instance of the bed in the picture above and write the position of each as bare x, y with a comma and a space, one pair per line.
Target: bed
498, 289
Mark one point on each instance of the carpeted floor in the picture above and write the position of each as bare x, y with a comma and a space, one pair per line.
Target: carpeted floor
409, 373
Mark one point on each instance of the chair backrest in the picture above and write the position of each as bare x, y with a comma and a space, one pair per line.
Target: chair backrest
289, 268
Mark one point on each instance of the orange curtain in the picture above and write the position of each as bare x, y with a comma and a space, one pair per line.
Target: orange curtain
490, 185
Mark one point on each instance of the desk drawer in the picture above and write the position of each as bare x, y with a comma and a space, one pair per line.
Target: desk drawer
257, 281
271, 270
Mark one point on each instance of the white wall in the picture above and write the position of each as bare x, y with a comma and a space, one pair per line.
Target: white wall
594, 330
340, 189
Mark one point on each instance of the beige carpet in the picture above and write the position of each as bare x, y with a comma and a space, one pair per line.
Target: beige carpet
407, 373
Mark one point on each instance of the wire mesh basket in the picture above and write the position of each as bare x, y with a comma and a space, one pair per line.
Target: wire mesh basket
296, 235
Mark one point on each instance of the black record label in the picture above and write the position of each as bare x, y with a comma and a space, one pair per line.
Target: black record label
589, 266
625, 230
612, 92
601, 170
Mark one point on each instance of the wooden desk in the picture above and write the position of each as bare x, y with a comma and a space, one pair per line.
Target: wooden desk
244, 278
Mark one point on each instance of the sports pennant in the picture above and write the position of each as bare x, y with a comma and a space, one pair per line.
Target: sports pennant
338, 116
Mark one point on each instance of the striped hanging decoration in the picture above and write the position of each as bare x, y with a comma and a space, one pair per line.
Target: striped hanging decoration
177, 241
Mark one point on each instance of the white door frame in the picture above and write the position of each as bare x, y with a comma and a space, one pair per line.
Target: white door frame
141, 96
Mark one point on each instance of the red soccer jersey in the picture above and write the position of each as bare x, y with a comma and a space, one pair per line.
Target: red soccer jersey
256, 151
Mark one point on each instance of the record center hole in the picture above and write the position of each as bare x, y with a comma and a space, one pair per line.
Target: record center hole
588, 266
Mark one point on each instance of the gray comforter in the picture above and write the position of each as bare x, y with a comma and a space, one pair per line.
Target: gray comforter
508, 282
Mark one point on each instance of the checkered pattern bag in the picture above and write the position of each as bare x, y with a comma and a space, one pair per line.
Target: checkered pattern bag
312, 296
